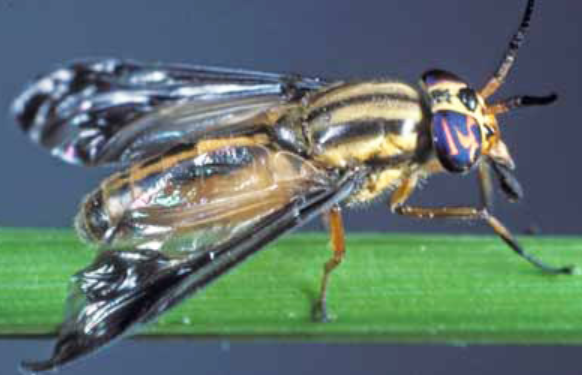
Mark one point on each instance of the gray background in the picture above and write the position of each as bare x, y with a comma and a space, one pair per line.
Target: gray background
333, 39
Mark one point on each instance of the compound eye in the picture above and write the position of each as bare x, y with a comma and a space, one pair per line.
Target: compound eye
468, 98
457, 140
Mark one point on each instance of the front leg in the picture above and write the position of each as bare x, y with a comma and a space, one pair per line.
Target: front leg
485, 186
467, 213
337, 237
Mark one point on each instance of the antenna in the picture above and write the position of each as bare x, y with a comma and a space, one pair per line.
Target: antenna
509, 104
510, 55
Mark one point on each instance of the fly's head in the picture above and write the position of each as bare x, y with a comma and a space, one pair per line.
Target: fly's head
464, 127
462, 130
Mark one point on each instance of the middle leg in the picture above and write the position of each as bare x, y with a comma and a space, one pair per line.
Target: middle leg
337, 237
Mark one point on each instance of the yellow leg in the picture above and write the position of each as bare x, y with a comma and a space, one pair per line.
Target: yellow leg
401, 195
480, 214
336, 231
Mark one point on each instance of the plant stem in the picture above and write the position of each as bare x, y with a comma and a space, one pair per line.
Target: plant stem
396, 288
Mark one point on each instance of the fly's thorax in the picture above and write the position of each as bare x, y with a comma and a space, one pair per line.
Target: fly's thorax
366, 123
288, 132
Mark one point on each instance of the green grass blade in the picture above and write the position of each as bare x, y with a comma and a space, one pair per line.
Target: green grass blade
398, 288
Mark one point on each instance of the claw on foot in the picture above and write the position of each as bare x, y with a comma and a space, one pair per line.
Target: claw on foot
319, 313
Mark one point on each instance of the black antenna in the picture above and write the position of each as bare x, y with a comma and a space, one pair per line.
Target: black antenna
520, 101
510, 55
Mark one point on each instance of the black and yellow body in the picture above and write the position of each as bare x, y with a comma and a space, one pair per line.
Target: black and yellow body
382, 127
213, 164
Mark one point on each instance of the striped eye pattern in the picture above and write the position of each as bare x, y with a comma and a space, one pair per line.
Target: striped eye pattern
457, 140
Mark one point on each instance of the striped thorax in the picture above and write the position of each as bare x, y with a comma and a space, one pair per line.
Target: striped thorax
383, 124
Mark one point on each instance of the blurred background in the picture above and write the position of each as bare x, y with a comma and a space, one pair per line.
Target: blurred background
333, 39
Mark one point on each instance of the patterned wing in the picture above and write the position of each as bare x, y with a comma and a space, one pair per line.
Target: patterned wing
114, 111
224, 205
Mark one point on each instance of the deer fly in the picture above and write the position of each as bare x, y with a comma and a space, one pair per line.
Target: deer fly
213, 164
